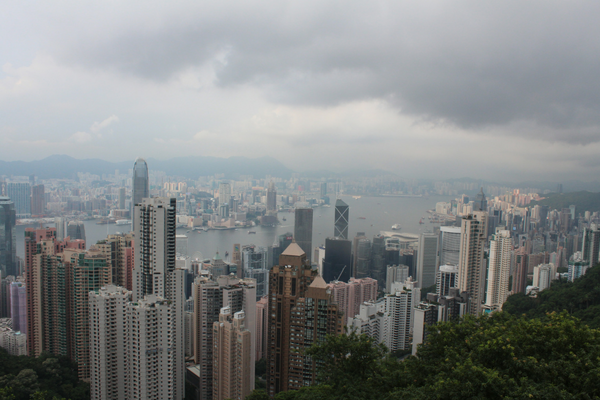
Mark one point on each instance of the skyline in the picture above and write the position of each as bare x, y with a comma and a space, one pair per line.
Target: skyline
427, 90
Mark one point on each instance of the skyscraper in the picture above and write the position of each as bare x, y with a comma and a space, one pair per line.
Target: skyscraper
118, 250
341, 220
232, 356
122, 192
428, 262
337, 264
480, 203
154, 246
133, 351
38, 202
141, 186
499, 269
362, 256
447, 278
76, 230
303, 227
472, 265
224, 194
271, 197
209, 297
20, 194
449, 245
8, 247
303, 313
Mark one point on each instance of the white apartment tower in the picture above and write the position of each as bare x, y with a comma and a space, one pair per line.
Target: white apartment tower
471, 265
499, 269
133, 347
154, 246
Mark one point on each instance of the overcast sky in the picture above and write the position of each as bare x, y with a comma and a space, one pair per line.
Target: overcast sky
501, 90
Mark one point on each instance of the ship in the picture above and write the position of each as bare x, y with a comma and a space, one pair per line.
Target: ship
421, 221
362, 217
396, 227
123, 222
251, 232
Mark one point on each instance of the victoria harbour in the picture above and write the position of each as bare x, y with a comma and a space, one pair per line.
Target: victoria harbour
367, 214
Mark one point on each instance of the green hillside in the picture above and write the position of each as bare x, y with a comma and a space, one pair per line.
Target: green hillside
580, 299
583, 201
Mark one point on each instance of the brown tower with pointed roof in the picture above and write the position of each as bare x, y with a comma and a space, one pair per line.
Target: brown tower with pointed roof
301, 312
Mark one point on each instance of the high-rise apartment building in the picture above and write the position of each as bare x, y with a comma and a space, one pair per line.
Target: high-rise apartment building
499, 269
140, 187
303, 227
341, 220
59, 222
447, 278
89, 272
134, 352
118, 250
232, 356
20, 194
209, 297
262, 327
449, 253
389, 319
38, 201
18, 307
224, 194
543, 275
47, 291
154, 250
472, 265
349, 296
427, 259
290, 330
8, 247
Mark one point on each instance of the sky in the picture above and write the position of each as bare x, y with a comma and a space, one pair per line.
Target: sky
505, 90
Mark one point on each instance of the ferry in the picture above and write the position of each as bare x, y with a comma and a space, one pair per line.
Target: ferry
362, 217
251, 232
123, 222
396, 227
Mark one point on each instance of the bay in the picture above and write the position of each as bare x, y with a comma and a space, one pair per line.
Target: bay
379, 214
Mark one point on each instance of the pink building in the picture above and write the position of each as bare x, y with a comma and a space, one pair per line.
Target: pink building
349, 296
262, 320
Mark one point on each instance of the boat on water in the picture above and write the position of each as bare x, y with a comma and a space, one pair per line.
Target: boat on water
362, 217
396, 227
421, 221
284, 219
123, 222
226, 254
251, 232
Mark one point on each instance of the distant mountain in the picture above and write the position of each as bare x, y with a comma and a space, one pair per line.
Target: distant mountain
583, 201
62, 166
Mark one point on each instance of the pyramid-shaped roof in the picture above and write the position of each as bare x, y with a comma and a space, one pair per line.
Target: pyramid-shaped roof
293, 250
319, 283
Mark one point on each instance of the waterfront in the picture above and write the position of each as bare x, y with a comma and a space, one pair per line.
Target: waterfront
379, 214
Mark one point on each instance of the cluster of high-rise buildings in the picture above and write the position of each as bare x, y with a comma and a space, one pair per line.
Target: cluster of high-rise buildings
142, 320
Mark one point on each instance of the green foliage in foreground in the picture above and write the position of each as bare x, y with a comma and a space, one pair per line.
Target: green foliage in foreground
43, 378
490, 357
580, 298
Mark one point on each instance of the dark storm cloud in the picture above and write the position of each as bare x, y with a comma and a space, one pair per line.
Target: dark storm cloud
472, 64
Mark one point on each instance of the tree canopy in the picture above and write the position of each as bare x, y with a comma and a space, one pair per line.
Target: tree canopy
580, 299
489, 357
46, 378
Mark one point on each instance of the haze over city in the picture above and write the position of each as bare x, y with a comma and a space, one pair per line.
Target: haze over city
504, 90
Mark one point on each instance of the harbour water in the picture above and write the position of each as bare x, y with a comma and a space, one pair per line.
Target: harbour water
367, 214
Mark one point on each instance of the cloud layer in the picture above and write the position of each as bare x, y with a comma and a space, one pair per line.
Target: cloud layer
394, 77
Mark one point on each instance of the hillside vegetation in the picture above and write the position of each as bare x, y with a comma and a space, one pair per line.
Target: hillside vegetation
580, 299
583, 201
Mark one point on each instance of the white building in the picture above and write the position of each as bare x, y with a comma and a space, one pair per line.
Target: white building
134, 347
543, 275
449, 248
14, 342
395, 273
447, 278
499, 269
389, 319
